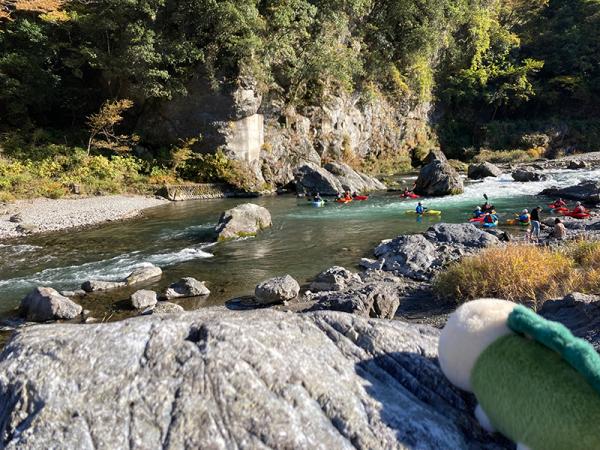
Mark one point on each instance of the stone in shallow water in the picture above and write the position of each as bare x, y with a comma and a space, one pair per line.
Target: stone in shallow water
99, 285
335, 278
277, 290
187, 287
143, 299
143, 274
44, 303
242, 221
224, 379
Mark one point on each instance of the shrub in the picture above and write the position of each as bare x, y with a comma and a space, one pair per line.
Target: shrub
508, 156
517, 273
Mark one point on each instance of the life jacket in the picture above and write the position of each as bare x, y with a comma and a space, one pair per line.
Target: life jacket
524, 218
477, 214
579, 209
490, 218
420, 209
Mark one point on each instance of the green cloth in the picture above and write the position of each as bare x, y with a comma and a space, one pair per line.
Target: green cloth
532, 396
577, 352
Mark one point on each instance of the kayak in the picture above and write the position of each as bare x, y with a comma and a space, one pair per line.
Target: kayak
490, 224
517, 222
319, 204
560, 209
476, 219
576, 215
361, 197
429, 212
343, 200
411, 195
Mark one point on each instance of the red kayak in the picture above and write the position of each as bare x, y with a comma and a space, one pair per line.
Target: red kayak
577, 215
343, 200
361, 197
411, 195
477, 219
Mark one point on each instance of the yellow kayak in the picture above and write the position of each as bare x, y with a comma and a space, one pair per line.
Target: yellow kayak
429, 212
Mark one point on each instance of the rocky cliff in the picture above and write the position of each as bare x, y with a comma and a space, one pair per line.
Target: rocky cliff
273, 139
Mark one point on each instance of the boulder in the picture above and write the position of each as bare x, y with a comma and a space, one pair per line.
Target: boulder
370, 264
576, 165
144, 274
483, 170
230, 379
464, 234
100, 285
44, 303
587, 191
352, 180
412, 256
334, 279
242, 221
527, 175
580, 313
143, 299
187, 287
164, 308
437, 177
311, 178
277, 290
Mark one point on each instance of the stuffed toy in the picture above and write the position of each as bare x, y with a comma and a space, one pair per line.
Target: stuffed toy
534, 381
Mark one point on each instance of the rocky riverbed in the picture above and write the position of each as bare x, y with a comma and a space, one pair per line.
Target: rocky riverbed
25, 217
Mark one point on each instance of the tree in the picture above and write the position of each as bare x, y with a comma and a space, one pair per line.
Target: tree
103, 124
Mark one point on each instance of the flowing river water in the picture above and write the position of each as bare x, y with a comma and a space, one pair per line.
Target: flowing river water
178, 238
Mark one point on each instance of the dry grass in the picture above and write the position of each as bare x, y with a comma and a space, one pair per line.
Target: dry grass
523, 273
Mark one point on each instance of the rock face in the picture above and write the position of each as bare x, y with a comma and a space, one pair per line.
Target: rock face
352, 180
44, 303
586, 191
527, 174
437, 177
311, 178
420, 256
317, 381
243, 220
277, 290
187, 287
483, 170
143, 299
578, 312
334, 279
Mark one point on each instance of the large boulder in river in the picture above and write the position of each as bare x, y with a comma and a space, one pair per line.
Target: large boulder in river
277, 290
527, 174
187, 287
228, 379
44, 303
483, 170
437, 177
242, 221
352, 180
311, 178
586, 191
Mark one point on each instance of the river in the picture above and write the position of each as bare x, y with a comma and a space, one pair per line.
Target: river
177, 237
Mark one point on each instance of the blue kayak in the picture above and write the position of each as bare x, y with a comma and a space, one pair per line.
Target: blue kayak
490, 225
318, 204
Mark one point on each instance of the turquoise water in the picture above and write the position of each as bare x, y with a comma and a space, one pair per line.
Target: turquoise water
178, 237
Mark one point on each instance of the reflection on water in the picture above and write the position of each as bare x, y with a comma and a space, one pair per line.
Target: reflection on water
177, 237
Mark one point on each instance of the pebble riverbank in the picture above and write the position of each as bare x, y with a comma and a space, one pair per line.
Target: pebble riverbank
25, 217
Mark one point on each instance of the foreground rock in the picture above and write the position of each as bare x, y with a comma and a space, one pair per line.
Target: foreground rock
221, 379
45, 303
143, 299
578, 312
420, 256
438, 177
527, 174
187, 287
242, 221
334, 279
277, 290
483, 170
586, 191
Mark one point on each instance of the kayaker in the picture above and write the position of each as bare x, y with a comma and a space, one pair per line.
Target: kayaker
490, 218
525, 218
420, 209
317, 198
347, 196
487, 207
579, 208
536, 222
354, 195
560, 203
477, 213
559, 232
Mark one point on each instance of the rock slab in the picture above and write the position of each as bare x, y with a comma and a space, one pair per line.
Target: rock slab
44, 303
243, 220
228, 379
586, 191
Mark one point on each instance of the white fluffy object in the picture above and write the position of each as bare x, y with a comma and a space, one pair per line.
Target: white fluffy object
469, 331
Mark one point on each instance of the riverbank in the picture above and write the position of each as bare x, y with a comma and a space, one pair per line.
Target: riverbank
40, 215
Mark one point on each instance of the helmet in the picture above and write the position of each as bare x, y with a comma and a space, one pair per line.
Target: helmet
578, 203
525, 211
479, 208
